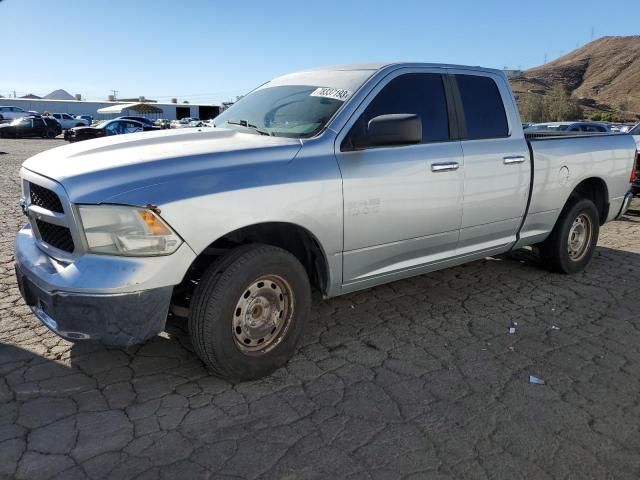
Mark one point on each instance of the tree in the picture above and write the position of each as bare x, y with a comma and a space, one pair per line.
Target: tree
561, 107
533, 108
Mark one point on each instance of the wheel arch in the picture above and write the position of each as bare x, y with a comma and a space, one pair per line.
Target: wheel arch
295, 239
596, 190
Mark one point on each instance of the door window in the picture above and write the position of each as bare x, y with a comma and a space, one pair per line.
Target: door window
113, 128
131, 127
38, 122
414, 93
484, 112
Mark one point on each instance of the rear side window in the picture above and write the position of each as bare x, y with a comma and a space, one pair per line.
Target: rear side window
484, 112
417, 93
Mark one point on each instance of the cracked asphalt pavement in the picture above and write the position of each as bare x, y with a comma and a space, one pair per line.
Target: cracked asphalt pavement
415, 379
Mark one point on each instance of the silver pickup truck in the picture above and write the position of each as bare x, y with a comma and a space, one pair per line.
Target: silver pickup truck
336, 179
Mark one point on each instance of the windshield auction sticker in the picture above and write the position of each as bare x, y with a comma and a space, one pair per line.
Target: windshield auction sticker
328, 92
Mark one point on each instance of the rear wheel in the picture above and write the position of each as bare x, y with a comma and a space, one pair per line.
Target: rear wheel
248, 311
573, 240
50, 133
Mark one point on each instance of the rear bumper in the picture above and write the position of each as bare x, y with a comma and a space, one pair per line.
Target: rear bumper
626, 203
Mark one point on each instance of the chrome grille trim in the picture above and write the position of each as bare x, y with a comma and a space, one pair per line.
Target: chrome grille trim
68, 218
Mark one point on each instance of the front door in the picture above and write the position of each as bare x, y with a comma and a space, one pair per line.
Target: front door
24, 128
402, 203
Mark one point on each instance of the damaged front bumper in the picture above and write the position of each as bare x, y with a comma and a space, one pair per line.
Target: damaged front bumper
116, 300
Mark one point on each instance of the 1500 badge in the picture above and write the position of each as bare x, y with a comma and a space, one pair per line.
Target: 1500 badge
363, 207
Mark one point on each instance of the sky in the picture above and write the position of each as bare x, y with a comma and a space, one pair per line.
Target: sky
210, 51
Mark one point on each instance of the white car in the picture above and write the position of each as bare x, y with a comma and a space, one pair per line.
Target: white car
68, 121
11, 113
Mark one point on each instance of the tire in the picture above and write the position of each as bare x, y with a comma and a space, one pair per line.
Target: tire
248, 311
50, 133
573, 240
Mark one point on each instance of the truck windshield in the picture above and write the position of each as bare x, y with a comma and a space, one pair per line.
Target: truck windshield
297, 111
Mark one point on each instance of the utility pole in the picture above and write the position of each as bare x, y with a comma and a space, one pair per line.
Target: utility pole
115, 94
593, 33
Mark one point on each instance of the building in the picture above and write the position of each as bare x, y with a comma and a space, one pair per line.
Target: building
171, 111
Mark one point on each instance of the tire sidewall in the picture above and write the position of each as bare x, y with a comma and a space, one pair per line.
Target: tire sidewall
581, 206
228, 290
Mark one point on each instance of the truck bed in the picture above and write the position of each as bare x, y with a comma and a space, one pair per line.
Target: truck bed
562, 162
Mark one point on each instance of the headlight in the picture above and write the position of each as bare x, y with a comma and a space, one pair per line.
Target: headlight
130, 231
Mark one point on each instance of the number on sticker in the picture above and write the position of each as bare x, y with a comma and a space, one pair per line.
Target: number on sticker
328, 92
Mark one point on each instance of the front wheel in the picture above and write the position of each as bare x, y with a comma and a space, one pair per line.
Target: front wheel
573, 240
248, 311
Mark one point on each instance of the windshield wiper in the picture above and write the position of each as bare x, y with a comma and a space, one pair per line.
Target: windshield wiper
244, 123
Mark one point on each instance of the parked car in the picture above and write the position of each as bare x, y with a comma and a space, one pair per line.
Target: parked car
68, 121
33, 126
88, 118
163, 123
105, 129
589, 127
145, 120
340, 179
183, 122
11, 113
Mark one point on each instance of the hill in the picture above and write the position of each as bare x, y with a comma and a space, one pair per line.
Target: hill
603, 76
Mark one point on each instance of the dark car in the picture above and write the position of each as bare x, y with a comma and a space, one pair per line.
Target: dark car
33, 126
144, 120
105, 129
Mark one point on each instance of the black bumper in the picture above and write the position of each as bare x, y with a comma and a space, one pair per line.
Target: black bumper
113, 319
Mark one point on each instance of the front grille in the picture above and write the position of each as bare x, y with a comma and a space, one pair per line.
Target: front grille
45, 198
56, 236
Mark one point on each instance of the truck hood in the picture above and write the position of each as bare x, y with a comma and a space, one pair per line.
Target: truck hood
104, 170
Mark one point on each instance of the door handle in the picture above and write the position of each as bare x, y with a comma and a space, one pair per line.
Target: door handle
444, 167
513, 159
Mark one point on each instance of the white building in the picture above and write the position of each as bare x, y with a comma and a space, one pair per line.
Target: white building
171, 111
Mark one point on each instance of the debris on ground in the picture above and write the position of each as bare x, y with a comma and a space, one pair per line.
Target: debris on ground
553, 327
536, 380
512, 328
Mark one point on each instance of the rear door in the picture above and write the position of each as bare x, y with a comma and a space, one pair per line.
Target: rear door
402, 204
497, 168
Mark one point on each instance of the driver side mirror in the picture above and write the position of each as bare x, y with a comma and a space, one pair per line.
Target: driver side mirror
394, 129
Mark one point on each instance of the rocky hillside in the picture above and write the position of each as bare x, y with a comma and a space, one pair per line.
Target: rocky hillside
604, 76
